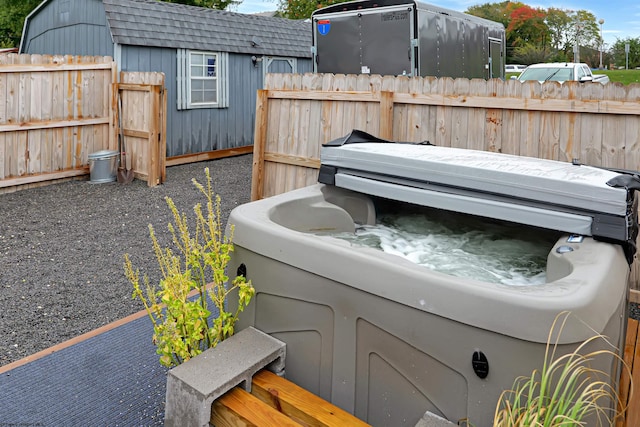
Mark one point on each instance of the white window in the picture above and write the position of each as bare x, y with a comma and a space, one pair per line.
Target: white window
202, 79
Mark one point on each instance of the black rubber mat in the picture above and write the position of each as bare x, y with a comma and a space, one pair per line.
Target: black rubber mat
112, 379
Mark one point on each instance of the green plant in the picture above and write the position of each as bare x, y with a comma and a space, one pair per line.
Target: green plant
567, 391
179, 308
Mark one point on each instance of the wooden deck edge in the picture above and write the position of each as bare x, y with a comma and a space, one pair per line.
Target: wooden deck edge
624, 386
275, 401
209, 155
298, 403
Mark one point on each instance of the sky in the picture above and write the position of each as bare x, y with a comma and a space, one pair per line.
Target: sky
621, 17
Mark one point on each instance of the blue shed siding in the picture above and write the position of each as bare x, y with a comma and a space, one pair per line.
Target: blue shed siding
149, 33
205, 129
69, 27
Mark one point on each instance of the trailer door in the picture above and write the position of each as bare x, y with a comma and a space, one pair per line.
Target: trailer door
495, 59
376, 41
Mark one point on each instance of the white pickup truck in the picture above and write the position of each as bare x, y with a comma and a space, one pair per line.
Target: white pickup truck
561, 72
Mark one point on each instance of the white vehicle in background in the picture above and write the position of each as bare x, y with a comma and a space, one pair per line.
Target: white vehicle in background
514, 68
561, 72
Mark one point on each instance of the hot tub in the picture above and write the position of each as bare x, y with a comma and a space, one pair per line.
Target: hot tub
388, 340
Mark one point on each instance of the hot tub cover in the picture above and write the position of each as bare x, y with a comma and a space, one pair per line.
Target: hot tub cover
551, 194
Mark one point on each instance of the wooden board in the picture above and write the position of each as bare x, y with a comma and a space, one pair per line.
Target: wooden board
239, 408
298, 403
275, 401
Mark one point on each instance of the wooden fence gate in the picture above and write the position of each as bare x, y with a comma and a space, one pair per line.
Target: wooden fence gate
142, 125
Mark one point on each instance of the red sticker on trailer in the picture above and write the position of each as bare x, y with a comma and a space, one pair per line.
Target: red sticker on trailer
324, 25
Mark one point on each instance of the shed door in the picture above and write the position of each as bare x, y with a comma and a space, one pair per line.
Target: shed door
370, 41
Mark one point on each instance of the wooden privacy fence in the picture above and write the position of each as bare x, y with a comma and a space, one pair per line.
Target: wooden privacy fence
144, 124
54, 112
57, 110
597, 124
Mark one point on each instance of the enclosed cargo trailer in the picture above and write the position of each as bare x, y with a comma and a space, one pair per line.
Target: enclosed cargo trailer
400, 37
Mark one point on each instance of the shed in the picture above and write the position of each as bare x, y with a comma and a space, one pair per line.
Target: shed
214, 61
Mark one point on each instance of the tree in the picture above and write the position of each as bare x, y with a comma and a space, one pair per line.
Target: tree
560, 26
552, 33
527, 27
620, 55
12, 15
532, 54
497, 12
302, 9
587, 32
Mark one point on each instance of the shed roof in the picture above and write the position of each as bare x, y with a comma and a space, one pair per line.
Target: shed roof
160, 24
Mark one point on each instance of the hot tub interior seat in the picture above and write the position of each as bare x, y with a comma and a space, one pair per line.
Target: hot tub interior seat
342, 211
333, 210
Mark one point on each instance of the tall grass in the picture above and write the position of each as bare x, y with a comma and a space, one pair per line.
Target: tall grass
568, 391
625, 77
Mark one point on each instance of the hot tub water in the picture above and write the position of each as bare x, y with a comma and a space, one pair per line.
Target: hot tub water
462, 245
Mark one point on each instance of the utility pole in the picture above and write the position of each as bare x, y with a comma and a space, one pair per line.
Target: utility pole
601, 21
576, 46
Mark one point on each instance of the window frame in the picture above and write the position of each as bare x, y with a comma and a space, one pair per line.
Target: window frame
191, 77
185, 79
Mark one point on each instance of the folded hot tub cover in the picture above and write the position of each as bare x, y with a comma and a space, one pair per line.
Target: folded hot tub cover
579, 199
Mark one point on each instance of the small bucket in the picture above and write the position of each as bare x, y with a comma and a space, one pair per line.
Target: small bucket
103, 166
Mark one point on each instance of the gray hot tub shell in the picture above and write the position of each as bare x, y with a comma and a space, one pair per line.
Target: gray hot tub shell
387, 339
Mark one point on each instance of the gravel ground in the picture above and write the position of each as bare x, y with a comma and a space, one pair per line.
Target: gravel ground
62, 247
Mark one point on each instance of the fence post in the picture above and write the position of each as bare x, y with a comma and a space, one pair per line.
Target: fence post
386, 115
259, 144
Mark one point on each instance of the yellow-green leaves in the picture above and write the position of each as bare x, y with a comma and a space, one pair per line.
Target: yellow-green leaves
193, 275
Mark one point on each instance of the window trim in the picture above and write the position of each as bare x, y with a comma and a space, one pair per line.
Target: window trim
184, 80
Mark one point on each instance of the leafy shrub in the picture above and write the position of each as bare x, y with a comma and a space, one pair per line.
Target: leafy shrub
179, 309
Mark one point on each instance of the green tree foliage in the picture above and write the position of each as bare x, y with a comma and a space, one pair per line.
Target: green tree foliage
12, 14
531, 54
302, 9
211, 4
498, 12
619, 54
541, 33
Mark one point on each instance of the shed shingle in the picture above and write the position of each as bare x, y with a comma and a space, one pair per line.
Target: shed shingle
160, 24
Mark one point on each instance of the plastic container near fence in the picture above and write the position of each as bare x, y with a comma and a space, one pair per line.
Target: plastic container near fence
103, 166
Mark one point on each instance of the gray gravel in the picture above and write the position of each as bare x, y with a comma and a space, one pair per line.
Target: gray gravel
62, 248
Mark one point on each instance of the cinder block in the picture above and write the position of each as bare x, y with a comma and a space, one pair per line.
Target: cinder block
194, 385
430, 419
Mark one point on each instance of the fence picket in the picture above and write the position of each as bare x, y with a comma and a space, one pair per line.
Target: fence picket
49, 120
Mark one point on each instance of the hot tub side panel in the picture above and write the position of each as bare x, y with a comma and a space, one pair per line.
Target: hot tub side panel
383, 361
